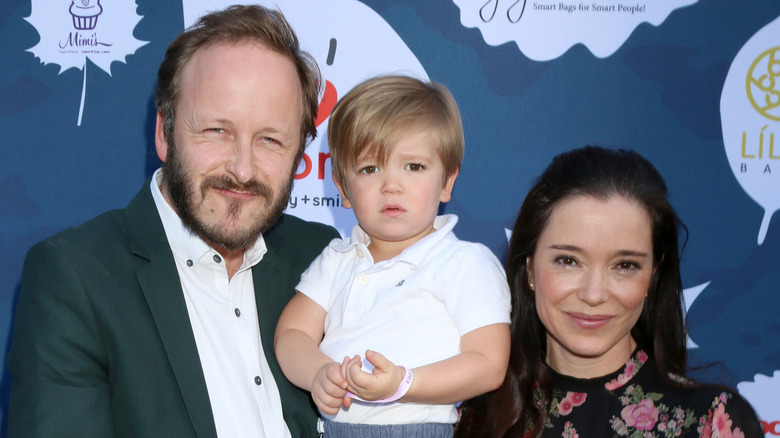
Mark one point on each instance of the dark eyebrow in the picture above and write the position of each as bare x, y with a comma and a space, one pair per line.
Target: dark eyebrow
630, 253
566, 248
624, 252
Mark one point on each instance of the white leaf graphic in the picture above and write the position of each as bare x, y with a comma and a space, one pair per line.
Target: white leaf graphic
73, 31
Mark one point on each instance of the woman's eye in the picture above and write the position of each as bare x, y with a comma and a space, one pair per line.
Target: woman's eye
566, 260
368, 170
627, 266
414, 167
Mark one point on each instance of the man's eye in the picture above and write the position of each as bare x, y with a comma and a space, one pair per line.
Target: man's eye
271, 141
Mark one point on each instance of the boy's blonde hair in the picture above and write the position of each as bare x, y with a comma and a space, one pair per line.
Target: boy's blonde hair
375, 115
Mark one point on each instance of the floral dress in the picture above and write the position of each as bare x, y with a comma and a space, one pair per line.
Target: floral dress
635, 402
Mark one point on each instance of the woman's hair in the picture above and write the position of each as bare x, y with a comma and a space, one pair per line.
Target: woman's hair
379, 112
599, 173
239, 24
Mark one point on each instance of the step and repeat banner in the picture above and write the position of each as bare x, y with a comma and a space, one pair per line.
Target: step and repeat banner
693, 85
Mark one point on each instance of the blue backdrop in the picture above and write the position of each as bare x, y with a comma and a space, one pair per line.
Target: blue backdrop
659, 92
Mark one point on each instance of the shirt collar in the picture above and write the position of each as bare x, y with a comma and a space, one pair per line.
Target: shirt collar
414, 254
187, 245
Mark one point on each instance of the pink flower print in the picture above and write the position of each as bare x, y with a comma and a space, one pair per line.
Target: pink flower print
641, 416
617, 383
631, 368
569, 431
721, 424
565, 406
577, 398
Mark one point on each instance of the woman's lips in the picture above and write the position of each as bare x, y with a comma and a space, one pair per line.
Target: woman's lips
589, 321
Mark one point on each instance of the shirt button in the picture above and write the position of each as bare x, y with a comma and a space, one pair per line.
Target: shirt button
258, 380
189, 263
363, 279
238, 312
217, 258
360, 254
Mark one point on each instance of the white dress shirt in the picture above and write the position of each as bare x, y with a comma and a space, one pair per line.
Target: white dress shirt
223, 313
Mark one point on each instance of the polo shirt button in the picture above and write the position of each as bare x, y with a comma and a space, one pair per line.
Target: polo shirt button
258, 380
189, 263
238, 312
363, 279
361, 254
217, 258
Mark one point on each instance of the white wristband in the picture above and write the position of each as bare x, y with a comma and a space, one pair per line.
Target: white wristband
403, 388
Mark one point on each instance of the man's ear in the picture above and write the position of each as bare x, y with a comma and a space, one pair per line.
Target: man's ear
345, 202
446, 191
160, 139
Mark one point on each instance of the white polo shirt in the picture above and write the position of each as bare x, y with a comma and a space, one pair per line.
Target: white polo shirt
413, 308
244, 397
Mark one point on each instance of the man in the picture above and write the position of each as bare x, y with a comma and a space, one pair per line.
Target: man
158, 319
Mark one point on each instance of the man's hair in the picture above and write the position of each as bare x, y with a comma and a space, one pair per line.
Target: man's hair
375, 115
238, 24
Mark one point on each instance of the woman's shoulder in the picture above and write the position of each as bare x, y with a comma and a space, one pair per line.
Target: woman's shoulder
714, 410
728, 413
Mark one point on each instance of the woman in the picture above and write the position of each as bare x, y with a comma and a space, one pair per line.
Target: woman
597, 321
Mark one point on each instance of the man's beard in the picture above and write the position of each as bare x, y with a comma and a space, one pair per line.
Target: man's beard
183, 191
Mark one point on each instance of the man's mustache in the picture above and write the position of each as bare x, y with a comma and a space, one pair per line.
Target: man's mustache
224, 182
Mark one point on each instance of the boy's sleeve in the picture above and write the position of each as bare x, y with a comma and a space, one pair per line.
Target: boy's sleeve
318, 279
475, 290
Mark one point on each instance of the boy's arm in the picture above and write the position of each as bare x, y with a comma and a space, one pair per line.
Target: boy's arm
480, 367
296, 342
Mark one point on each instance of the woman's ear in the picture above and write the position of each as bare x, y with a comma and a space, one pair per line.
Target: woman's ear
530, 270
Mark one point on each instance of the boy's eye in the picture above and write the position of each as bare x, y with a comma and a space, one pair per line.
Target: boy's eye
414, 167
369, 170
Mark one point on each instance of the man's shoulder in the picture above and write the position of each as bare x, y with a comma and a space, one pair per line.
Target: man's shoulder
109, 229
101, 230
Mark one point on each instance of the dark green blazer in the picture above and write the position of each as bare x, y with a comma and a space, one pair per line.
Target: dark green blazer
102, 343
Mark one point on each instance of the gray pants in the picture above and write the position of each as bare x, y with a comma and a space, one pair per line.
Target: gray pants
420, 430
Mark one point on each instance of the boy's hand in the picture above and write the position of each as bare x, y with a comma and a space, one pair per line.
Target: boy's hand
329, 388
381, 383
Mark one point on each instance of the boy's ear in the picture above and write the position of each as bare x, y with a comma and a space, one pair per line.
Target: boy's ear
446, 191
160, 140
345, 202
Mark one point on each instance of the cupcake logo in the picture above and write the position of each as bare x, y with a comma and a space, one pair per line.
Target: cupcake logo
85, 13
70, 35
